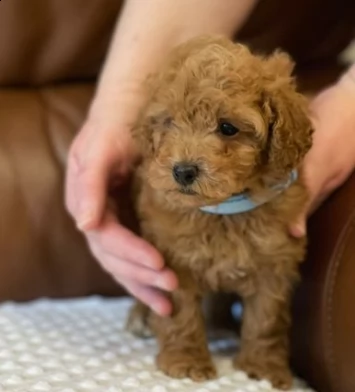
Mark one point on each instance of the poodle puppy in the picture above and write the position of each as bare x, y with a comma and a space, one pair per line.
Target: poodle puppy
222, 139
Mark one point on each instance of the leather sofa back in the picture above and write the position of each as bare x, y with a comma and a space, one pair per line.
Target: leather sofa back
50, 41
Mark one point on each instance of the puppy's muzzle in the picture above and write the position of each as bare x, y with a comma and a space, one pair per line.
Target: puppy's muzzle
185, 174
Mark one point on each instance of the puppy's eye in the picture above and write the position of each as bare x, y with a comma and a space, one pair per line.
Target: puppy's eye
227, 129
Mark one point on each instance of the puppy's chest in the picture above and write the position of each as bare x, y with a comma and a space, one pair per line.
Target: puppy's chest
218, 252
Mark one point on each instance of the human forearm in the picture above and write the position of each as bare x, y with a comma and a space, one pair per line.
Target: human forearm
146, 32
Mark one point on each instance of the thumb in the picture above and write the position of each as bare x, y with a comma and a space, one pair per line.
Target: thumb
86, 191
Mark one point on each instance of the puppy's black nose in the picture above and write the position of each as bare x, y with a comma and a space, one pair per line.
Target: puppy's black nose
185, 173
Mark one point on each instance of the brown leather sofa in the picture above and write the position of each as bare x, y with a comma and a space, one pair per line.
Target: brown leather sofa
50, 54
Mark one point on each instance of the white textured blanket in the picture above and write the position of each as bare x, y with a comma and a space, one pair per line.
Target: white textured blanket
80, 346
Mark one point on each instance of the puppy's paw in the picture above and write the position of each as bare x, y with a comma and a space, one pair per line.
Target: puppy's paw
180, 365
137, 322
279, 375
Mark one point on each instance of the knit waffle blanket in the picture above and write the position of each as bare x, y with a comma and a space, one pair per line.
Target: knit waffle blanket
81, 346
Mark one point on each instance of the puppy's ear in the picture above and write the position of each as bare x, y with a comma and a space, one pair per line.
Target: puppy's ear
143, 133
142, 130
149, 129
279, 64
290, 127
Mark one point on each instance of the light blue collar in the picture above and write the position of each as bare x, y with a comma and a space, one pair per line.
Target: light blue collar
243, 203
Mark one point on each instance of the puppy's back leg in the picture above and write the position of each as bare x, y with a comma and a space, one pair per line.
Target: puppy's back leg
138, 321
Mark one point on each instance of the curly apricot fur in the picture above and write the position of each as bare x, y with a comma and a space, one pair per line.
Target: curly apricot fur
207, 80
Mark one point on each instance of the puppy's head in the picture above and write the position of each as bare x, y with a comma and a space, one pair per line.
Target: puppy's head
220, 120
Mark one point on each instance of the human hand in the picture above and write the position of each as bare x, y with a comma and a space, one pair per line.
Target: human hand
331, 159
101, 152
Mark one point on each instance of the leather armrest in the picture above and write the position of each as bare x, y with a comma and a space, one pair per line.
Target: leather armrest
324, 321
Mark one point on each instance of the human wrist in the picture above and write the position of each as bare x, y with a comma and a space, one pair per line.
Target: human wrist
116, 110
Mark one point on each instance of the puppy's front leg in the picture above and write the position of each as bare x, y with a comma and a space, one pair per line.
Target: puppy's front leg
266, 320
182, 339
